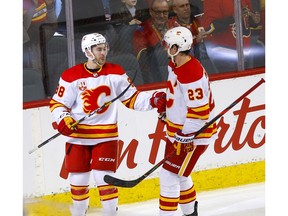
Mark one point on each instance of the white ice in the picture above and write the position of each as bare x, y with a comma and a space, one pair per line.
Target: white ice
248, 200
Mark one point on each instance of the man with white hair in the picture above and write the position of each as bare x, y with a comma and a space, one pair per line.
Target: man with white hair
184, 17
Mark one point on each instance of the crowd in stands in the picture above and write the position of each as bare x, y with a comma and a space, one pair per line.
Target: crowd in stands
134, 30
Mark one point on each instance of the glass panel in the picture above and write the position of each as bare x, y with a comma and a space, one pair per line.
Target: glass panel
135, 35
39, 27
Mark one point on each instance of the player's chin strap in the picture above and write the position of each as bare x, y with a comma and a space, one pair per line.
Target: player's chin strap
172, 56
96, 62
93, 58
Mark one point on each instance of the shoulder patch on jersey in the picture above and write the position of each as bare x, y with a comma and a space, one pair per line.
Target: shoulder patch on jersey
191, 71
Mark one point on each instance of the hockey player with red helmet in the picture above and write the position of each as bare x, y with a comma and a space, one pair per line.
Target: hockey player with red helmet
189, 106
92, 144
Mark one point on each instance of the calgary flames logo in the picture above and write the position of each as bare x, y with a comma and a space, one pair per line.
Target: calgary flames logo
94, 98
245, 24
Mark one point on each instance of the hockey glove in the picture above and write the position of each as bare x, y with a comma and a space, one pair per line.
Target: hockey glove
65, 125
183, 142
158, 100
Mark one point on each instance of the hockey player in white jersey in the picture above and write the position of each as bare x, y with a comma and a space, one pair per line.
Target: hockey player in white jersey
189, 106
92, 145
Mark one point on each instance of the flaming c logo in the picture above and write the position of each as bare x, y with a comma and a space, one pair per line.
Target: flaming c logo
92, 97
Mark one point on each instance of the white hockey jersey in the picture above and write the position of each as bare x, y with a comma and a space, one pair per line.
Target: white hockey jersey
190, 102
80, 92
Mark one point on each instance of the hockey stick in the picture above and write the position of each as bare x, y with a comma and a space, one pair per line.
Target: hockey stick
131, 183
87, 116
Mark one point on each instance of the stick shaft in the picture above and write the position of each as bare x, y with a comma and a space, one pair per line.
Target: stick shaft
230, 106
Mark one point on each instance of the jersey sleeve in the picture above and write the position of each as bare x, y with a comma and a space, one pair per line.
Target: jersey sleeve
132, 98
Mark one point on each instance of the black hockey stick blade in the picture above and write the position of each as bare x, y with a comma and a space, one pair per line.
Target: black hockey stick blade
122, 182
131, 183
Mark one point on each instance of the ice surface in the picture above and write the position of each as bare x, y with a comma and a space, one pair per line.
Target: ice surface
248, 200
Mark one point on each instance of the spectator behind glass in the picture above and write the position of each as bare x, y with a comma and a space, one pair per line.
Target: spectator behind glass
88, 15
58, 7
184, 17
147, 42
219, 24
39, 25
85, 13
130, 12
107, 9
127, 15
261, 38
197, 6
258, 33
151, 31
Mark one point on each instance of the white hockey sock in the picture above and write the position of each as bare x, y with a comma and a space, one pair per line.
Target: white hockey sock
79, 208
187, 195
108, 193
110, 207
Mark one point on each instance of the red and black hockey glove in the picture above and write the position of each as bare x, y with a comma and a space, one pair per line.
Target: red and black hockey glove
65, 125
158, 100
183, 142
